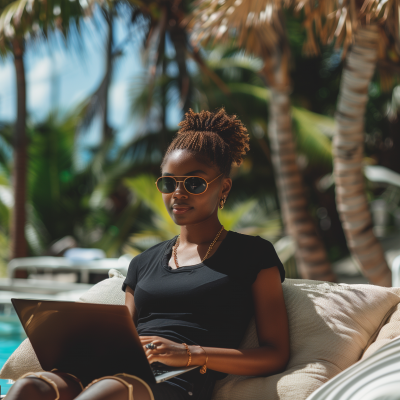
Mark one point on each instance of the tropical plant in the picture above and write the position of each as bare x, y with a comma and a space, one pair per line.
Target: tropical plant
63, 197
18, 20
259, 28
364, 31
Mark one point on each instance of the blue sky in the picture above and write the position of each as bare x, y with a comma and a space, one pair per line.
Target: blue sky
77, 74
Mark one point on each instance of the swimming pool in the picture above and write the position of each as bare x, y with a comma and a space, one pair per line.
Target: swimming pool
11, 336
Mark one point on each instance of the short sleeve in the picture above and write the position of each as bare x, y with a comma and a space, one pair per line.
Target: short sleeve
131, 276
264, 257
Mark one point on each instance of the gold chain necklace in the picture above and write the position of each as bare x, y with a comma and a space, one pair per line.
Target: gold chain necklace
208, 251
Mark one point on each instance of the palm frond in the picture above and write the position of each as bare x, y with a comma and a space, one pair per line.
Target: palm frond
11, 14
230, 218
162, 227
144, 187
113, 240
254, 24
30, 19
312, 131
312, 135
337, 21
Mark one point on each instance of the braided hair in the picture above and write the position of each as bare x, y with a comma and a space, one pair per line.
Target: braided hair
215, 136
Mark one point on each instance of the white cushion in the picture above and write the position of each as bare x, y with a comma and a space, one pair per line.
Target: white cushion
108, 291
22, 361
330, 325
390, 330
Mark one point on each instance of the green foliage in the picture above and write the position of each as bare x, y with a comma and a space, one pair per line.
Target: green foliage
66, 198
160, 227
249, 98
312, 135
56, 190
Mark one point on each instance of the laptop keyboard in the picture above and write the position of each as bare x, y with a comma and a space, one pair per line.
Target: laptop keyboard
159, 369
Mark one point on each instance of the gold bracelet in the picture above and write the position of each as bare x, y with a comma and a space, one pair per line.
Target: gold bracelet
189, 354
203, 369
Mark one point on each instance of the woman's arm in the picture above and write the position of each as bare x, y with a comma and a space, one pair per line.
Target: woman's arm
130, 303
272, 329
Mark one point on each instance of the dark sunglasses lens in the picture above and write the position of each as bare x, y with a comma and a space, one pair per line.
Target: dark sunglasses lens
195, 185
166, 185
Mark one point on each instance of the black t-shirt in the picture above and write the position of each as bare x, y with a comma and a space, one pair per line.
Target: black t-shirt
208, 304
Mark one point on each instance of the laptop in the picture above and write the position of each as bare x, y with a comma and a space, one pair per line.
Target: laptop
88, 340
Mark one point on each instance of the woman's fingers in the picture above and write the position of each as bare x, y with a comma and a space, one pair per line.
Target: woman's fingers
152, 358
148, 339
165, 351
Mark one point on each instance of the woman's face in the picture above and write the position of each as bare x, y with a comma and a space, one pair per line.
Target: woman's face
184, 207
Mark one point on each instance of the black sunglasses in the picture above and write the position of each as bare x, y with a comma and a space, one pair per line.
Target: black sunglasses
192, 184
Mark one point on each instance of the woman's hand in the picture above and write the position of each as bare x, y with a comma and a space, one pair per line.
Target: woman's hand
167, 351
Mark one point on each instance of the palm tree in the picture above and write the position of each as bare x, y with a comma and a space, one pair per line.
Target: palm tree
364, 31
18, 243
258, 28
18, 20
165, 20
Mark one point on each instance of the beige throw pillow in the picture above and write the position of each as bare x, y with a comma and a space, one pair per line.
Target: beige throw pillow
389, 331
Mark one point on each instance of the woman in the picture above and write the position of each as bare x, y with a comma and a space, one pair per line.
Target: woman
192, 297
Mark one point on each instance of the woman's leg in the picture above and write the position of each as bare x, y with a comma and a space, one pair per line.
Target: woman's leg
41, 387
115, 388
44, 386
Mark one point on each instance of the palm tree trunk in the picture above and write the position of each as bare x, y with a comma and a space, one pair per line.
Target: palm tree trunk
311, 258
106, 130
348, 147
18, 241
179, 39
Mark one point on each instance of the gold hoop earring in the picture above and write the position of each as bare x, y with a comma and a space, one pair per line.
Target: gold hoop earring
222, 203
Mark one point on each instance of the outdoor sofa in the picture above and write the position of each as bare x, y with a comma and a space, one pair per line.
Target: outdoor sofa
332, 327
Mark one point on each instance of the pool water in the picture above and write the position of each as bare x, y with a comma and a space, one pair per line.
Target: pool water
11, 336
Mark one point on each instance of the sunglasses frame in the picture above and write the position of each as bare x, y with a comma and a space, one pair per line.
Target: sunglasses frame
184, 180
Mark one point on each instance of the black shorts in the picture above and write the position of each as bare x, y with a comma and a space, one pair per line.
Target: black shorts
189, 386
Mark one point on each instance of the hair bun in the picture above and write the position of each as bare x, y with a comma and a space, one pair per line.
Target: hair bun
230, 129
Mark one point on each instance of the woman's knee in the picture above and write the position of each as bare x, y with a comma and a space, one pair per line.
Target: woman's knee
32, 388
45, 385
111, 388
105, 389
